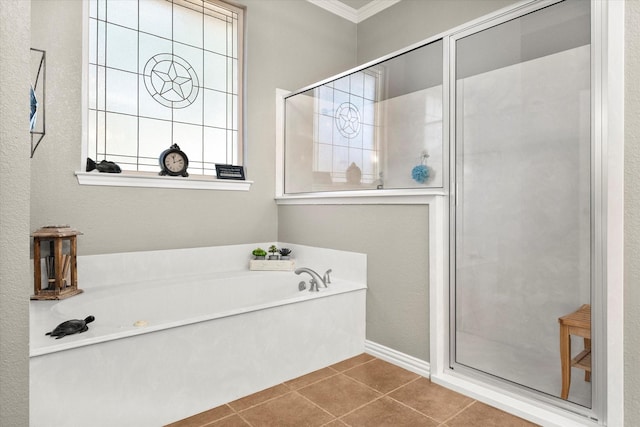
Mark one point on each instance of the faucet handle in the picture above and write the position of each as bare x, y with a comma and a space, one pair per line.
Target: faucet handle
326, 277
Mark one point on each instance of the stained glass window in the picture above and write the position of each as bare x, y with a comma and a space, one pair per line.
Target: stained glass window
165, 72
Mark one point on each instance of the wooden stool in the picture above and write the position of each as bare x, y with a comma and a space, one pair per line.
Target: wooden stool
577, 323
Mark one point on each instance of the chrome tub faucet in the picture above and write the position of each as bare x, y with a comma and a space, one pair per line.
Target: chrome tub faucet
316, 281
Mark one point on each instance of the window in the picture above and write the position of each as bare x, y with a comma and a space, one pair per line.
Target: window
165, 72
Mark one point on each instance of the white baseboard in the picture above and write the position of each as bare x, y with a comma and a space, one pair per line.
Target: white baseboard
397, 358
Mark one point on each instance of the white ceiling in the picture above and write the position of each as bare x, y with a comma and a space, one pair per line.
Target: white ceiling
354, 10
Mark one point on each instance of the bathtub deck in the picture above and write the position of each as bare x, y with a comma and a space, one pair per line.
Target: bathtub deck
361, 391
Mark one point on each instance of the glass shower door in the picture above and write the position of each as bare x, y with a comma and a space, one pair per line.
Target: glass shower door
522, 216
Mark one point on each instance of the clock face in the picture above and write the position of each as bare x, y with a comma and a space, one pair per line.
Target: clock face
174, 162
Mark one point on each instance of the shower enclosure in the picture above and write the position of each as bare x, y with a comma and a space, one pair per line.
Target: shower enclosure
508, 115
522, 216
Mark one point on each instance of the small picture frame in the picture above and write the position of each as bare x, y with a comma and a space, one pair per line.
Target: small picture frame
230, 172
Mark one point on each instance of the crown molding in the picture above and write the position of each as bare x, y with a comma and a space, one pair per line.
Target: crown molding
374, 7
354, 15
338, 8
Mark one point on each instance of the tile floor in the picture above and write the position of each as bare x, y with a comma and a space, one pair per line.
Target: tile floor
361, 391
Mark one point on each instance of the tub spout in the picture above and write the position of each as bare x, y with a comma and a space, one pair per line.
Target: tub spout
315, 281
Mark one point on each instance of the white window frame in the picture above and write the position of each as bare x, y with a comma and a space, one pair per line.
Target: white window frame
151, 179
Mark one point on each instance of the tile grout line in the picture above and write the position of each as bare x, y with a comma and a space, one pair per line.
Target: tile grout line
459, 412
314, 382
411, 407
263, 402
415, 410
317, 406
359, 407
244, 419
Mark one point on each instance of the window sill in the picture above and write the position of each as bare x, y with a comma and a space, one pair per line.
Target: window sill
364, 197
151, 180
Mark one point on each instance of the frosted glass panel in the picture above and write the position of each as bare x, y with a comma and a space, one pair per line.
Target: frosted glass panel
155, 18
369, 129
522, 219
187, 26
122, 84
123, 13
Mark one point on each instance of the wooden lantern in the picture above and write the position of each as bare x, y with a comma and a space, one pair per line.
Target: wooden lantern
59, 261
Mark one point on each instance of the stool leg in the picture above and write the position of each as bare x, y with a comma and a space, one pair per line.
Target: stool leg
565, 360
587, 345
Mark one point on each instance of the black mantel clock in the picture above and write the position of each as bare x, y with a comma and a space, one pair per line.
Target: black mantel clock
174, 162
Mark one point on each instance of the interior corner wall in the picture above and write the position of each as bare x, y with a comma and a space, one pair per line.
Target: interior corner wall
290, 44
15, 276
632, 215
410, 21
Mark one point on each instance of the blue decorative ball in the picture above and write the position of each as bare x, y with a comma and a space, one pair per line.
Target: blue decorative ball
420, 173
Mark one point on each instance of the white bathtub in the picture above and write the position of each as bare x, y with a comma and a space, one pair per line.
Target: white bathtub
207, 340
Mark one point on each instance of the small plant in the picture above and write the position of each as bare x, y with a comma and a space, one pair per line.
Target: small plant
259, 252
273, 249
285, 251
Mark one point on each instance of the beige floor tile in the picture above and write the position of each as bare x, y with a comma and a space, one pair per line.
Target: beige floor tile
289, 410
431, 399
387, 412
381, 375
203, 418
483, 415
335, 423
339, 394
352, 362
318, 398
313, 377
259, 397
232, 421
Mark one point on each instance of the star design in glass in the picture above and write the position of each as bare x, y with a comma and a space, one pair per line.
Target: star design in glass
348, 120
173, 80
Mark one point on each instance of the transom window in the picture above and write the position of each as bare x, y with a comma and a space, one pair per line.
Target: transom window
165, 72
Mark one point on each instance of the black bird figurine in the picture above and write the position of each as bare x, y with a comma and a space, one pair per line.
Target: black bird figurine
103, 166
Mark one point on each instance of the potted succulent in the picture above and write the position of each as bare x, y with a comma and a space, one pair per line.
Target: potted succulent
259, 253
273, 250
284, 253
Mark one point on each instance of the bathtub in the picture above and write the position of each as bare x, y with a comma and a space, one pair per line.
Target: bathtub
164, 349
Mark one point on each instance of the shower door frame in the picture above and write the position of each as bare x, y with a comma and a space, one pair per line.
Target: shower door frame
607, 166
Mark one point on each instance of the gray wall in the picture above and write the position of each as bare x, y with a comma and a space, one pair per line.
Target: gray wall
289, 45
411, 21
395, 239
632, 216
15, 277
